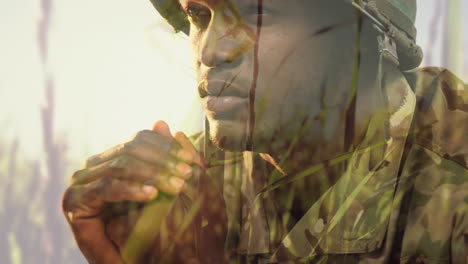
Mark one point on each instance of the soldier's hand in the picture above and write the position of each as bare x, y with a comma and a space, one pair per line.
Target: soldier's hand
151, 162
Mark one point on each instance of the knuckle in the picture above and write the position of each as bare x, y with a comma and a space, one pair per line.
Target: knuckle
75, 176
88, 161
106, 190
105, 183
142, 134
67, 199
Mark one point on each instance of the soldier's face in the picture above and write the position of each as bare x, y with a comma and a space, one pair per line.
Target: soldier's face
263, 65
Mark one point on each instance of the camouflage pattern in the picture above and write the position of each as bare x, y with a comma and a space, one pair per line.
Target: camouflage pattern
398, 197
412, 212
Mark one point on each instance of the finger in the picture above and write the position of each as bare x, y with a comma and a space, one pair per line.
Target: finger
124, 167
162, 128
160, 147
93, 242
171, 185
176, 161
81, 203
130, 168
88, 201
177, 168
183, 140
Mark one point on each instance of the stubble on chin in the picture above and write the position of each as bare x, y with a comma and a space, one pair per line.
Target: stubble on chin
228, 137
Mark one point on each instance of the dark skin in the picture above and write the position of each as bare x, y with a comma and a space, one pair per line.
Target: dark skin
295, 63
152, 161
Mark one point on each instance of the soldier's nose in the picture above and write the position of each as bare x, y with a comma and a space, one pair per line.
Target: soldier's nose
225, 40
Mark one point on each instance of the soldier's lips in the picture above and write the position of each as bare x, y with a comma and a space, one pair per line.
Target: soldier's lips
224, 104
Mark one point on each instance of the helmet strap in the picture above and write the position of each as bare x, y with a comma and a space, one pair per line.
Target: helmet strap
388, 48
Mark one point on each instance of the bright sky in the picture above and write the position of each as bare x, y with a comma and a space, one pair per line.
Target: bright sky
117, 69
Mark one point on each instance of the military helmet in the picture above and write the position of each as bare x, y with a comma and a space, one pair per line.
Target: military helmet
394, 18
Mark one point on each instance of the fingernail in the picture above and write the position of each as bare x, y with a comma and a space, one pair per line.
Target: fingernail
177, 183
149, 190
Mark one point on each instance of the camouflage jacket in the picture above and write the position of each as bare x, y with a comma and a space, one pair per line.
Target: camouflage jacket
413, 207
408, 206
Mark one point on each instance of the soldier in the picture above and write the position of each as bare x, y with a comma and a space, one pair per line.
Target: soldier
323, 144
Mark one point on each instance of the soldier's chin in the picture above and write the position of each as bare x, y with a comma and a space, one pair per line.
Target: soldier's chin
228, 135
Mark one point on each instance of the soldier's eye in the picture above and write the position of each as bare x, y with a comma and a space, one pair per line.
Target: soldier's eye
199, 15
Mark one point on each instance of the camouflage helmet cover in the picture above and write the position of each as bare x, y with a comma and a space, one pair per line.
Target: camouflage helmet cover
398, 16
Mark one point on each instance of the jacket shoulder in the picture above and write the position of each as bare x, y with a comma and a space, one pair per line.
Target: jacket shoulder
441, 113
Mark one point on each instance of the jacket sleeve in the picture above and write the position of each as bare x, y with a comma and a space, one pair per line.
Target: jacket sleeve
459, 243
